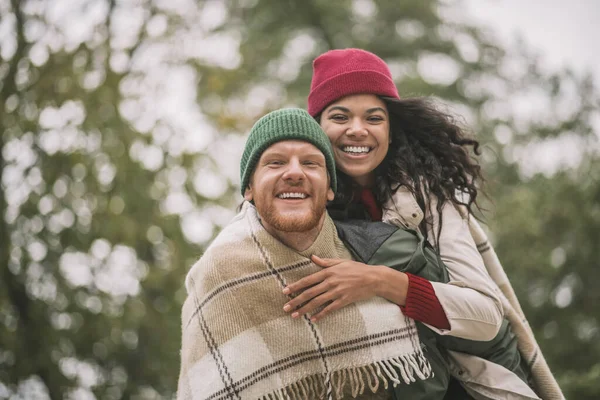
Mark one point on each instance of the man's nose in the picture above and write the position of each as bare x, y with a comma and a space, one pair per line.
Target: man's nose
294, 171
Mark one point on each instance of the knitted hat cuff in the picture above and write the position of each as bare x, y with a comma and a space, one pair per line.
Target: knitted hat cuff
349, 83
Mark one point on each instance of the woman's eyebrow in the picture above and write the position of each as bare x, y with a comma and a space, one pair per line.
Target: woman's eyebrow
339, 108
374, 109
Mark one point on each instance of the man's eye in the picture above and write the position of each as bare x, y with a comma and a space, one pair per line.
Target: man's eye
275, 163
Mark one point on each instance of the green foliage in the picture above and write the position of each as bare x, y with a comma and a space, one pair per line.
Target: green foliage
122, 125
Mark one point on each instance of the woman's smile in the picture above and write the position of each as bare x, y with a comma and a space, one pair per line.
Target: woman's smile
356, 150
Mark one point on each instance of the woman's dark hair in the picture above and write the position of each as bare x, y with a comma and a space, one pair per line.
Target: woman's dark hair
428, 154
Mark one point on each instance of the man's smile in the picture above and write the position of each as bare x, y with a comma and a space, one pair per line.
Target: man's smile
292, 196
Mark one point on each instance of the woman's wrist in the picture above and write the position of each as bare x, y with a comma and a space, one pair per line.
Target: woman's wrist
392, 285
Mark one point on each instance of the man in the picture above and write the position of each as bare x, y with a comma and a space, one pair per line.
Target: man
239, 343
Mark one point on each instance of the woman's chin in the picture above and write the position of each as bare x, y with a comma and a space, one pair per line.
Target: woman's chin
358, 167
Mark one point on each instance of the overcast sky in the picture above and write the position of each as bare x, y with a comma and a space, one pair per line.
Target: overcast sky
565, 33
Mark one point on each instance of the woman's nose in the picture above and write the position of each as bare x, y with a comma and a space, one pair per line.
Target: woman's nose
357, 128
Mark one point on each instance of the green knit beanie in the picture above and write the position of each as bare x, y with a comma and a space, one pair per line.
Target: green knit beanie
279, 125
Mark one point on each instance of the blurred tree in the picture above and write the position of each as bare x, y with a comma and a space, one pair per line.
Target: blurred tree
122, 126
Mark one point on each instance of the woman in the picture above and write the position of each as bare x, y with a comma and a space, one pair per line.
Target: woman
405, 162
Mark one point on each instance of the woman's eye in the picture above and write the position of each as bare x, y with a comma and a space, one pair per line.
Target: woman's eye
375, 118
338, 117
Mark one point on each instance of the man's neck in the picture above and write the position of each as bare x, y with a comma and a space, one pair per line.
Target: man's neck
298, 241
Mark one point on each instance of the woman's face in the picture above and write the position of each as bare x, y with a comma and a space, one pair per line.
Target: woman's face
358, 127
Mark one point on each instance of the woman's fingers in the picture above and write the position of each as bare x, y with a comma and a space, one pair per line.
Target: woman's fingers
305, 282
315, 278
305, 296
331, 288
326, 262
313, 304
335, 305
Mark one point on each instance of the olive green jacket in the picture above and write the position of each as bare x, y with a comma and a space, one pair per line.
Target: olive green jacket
406, 250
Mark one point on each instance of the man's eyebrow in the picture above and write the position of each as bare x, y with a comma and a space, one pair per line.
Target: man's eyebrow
316, 154
267, 154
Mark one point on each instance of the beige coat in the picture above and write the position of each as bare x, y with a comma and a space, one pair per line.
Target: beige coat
476, 300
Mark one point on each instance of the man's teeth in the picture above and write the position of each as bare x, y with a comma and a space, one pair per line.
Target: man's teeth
356, 149
292, 196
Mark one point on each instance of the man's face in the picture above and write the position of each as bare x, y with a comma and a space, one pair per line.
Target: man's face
290, 187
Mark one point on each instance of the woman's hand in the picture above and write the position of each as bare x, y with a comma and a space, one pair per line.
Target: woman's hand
341, 282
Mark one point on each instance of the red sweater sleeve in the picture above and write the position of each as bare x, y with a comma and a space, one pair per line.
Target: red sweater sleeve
422, 303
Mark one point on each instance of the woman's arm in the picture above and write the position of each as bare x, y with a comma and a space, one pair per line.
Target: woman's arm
470, 299
466, 307
423, 305
339, 283
415, 296
346, 281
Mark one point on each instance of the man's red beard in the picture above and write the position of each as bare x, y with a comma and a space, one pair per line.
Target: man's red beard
292, 223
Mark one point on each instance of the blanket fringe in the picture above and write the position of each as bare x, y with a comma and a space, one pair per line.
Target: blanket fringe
355, 380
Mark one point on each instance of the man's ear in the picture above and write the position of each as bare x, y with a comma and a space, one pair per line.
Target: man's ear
330, 194
248, 193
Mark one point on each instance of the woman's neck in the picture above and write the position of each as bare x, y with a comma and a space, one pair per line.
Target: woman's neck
365, 182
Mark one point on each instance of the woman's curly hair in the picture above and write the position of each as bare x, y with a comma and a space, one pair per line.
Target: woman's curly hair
428, 154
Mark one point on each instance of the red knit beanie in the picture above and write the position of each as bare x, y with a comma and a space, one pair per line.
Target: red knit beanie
339, 73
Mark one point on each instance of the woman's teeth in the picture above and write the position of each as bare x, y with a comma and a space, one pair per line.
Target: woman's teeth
356, 149
292, 195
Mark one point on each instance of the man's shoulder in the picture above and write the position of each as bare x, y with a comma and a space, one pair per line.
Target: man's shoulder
225, 249
235, 232
231, 234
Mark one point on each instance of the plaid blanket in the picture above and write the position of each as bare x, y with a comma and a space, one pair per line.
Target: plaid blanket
544, 382
238, 343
